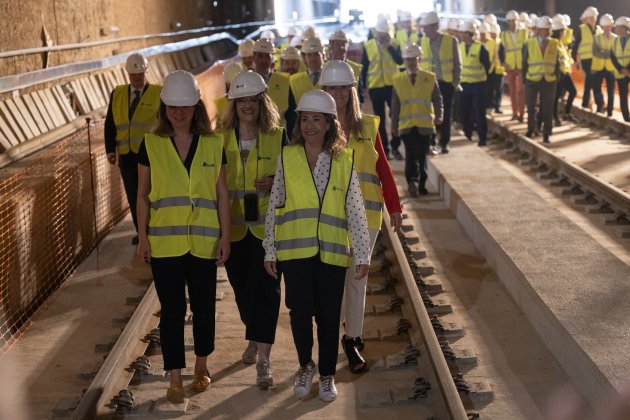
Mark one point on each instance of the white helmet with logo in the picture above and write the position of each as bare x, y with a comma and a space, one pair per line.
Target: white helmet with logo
454, 24
290, 53
606, 20
246, 48
543, 22
264, 45
317, 101
557, 23
337, 73
623, 21
230, 71
180, 89
468, 26
412, 51
338, 36
590, 11
490, 18
312, 45
309, 32
511, 15
268, 34
430, 18
136, 63
246, 83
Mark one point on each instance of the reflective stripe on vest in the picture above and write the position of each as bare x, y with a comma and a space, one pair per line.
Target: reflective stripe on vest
602, 46
539, 66
382, 67
183, 215
300, 84
261, 162
365, 157
472, 69
585, 49
622, 55
445, 56
129, 134
514, 50
306, 225
416, 107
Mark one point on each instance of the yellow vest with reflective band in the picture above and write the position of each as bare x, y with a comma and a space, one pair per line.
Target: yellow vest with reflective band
129, 134
365, 157
382, 67
472, 69
565, 59
221, 103
416, 107
539, 66
261, 162
306, 225
356, 69
492, 45
567, 39
602, 47
621, 54
445, 56
278, 91
402, 39
514, 50
183, 216
585, 49
300, 84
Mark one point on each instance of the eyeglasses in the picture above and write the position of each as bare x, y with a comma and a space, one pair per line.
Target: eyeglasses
248, 99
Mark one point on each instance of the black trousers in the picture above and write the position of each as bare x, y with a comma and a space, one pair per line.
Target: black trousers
565, 84
546, 91
588, 82
494, 91
128, 164
380, 97
447, 90
416, 150
473, 111
622, 85
170, 275
257, 294
314, 289
610, 90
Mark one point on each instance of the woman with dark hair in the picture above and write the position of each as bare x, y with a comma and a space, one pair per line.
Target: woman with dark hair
253, 141
315, 209
184, 220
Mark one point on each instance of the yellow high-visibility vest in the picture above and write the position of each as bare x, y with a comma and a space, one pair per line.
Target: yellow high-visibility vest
492, 45
365, 157
382, 67
472, 69
260, 163
183, 216
402, 39
445, 56
306, 225
585, 49
416, 107
514, 49
278, 91
565, 59
221, 104
129, 134
567, 39
539, 66
622, 55
602, 46
300, 84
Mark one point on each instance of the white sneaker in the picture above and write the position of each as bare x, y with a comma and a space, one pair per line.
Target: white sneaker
327, 389
249, 355
264, 379
304, 380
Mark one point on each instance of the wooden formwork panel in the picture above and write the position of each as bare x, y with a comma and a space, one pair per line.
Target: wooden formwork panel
64, 103
82, 101
33, 101
192, 58
170, 63
29, 131
110, 81
7, 136
88, 91
153, 76
34, 111
102, 96
162, 66
18, 136
52, 106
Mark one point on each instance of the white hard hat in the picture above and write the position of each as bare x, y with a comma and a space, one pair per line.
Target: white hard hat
267, 33
590, 11
484, 28
606, 20
264, 45
230, 71
531, 22
567, 20
491, 18
543, 22
495, 28
317, 101
404, 15
533, 17
293, 31
382, 25
296, 41
623, 21
309, 32
180, 89
246, 48
136, 63
511, 15
454, 24
467, 26
412, 51
476, 22
312, 45
246, 83
338, 36
430, 18
290, 53
337, 73
557, 22
523, 17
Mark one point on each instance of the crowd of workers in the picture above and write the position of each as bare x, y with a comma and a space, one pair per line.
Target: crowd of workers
292, 179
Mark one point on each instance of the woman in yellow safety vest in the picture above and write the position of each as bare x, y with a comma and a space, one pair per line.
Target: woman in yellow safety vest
377, 182
315, 209
253, 141
620, 57
602, 66
184, 220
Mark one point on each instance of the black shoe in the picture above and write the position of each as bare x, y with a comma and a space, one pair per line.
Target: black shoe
498, 111
359, 344
412, 189
134, 240
600, 109
445, 149
520, 118
546, 138
568, 117
481, 144
355, 361
469, 137
423, 191
557, 122
433, 150
397, 154
529, 134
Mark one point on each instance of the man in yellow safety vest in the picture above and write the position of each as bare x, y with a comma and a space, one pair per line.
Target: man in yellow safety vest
583, 49
621, 60
602, 67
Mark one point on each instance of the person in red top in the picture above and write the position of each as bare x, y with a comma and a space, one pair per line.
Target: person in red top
377, 185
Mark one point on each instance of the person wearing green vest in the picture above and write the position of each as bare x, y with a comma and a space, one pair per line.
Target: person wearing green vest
620, 57
132, 112
602, 67
253, 141
184, 220
302, 82
510, 55
565, 83
405, 34
221, 103
377, 185
583, 49
315, 211
541, 66
475, 67
338, 42
277, 82
416, 110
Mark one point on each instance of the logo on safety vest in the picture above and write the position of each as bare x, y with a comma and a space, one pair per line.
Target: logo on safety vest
336, 188
208, 165
264, 158
363, 139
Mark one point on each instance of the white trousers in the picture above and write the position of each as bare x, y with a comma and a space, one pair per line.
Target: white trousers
353, 305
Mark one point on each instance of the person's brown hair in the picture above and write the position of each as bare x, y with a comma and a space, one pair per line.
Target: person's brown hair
199, 125
334, 140
268, 117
